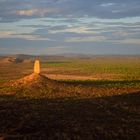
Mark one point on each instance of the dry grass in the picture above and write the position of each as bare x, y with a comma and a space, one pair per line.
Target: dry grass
36, 107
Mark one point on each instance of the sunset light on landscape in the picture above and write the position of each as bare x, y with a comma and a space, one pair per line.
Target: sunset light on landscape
69, 69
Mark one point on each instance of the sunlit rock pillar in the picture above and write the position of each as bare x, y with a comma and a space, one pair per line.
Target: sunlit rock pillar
37, 67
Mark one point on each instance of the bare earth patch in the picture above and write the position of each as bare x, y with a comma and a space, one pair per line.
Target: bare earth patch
78, 77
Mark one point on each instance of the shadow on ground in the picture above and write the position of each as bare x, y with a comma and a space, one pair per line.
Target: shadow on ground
116, 117
102, 82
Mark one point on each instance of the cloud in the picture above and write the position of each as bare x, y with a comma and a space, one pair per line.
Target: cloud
14, 10
27, 12
107, 4
10, 34
79, 24
79, 30
31, 37
5, 34
129, 41
36, 12
86, 39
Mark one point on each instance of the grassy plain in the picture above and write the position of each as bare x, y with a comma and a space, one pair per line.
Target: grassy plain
100, 101
100, 68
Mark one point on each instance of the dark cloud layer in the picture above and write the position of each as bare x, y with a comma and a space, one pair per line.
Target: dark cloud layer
79, 26
13, 10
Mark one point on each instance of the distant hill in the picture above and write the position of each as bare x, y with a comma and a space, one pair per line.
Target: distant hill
11, 60
20, 58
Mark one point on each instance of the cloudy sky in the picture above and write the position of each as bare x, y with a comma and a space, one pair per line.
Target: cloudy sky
70, 26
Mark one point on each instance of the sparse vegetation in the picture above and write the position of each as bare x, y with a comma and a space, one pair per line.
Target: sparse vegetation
36, 107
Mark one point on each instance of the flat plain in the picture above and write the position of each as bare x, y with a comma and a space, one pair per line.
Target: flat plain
81, 98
